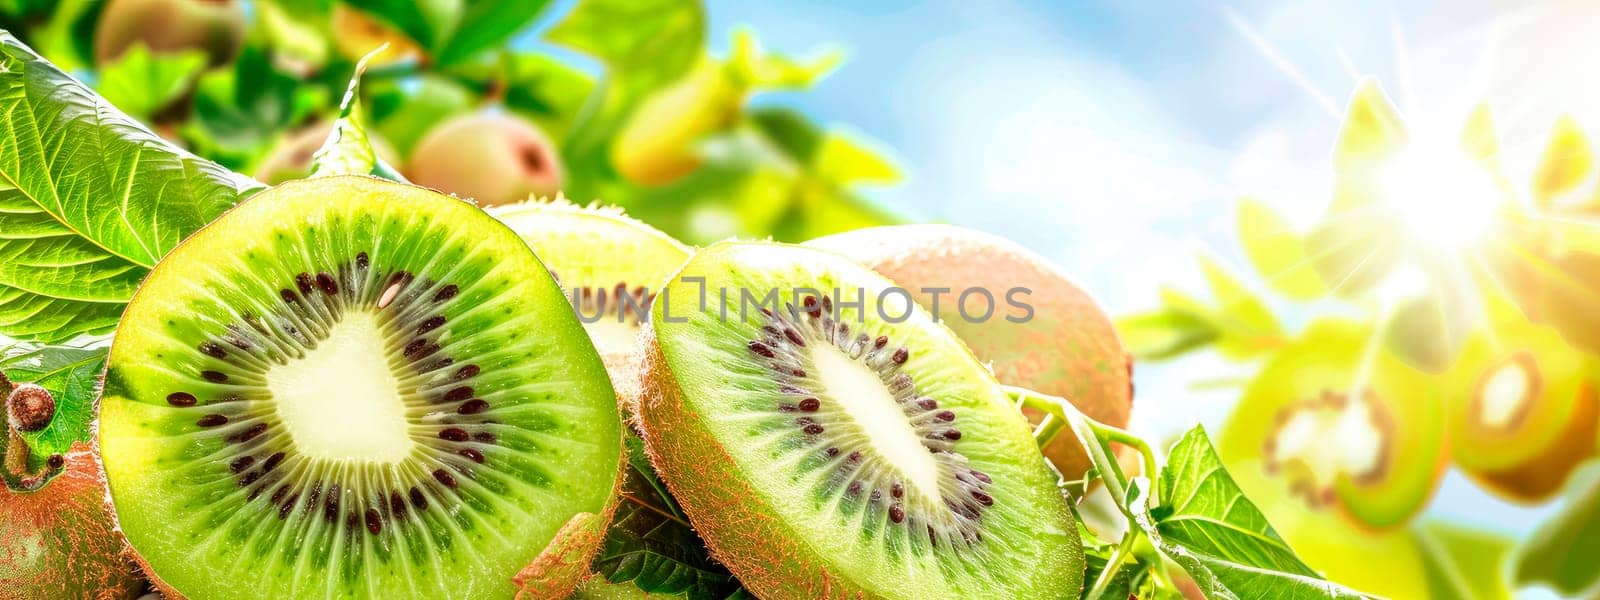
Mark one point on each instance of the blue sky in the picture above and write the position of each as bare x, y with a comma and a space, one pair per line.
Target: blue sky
1114, 137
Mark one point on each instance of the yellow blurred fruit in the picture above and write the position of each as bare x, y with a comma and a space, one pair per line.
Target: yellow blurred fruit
657, 145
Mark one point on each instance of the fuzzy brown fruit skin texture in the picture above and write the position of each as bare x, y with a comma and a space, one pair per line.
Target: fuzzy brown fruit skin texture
753, 543
60, 541
214, 27
1068, 348
492, 158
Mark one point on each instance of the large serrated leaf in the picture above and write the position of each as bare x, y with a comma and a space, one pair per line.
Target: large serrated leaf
1208, 527
89, 201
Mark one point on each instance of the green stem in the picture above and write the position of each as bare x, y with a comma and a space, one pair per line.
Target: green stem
1113, 564
1100, 434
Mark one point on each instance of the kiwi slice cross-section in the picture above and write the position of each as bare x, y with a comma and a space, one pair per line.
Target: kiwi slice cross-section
609, 265
353, 388
836, 442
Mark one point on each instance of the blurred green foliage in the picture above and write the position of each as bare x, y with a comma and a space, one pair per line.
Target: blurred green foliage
642, 115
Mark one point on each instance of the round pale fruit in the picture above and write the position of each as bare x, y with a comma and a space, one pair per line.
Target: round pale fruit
1064, 344
214, 27
490, 157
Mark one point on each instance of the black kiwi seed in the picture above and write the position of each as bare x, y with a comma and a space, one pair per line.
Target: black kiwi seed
453, 434
288, 505
272, 462
897, 514
445, 478
466, 372
303, 281
214, 376
473, 406
484, 437
330, 506
446, 293
212, 421
249, 434
474, 455
55, 462
212, 350
242, 463
181, 399
418, 500
397, 505
431, 324
810, 405
362, 261
326, 283
374, 522
458, 394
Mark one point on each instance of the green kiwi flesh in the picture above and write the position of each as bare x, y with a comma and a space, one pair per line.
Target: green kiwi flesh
825, 448
353, 388
609, 265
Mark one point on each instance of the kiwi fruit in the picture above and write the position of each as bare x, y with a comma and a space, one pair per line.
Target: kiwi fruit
1342, 425
215, 27
1523, 408
828, 439
656, 146
609, 265
57, 536
292, 157
350, 387
359, 33
491, 157
1067, 347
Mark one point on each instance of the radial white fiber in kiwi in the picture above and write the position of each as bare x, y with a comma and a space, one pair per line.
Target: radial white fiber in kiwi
358, 389
828, 439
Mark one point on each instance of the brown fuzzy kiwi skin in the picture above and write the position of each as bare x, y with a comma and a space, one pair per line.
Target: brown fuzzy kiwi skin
71, 515
564, 563
751, 541
1070, 349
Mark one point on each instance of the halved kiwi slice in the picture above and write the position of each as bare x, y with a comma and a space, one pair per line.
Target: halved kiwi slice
1343, 425
836, 442
346, 387
1523, 407
610, 266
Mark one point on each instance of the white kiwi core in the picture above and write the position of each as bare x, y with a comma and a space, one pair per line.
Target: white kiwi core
1503, 394
863, 395
341, 401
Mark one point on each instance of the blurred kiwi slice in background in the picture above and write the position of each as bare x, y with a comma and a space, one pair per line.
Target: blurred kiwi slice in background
827, 438
348, 387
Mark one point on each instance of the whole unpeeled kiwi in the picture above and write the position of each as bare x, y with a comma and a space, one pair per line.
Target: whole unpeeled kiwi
1065, 344
57, 536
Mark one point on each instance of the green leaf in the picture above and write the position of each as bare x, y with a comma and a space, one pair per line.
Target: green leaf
1564, 552
663, 39
244, 108
1164, 334
1277, 252
651, 545
549, 91
756, 69
348, 149
89, 201
660, 40
1462, 562
141, 83
1246, 326
486, 24
1206, 525
298, 29
71, 375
